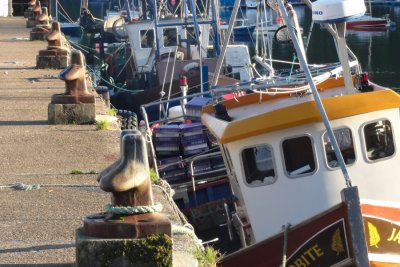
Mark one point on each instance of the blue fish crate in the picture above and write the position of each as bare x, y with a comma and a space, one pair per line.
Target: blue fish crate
191, 128
217, 163
164, 131
167, 139
166, 148
170, 163
194, 106
174, 175
194, 138
200, 167
195, 146
193, 149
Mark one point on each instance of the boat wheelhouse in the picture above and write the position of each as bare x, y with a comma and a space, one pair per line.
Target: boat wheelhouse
283, 169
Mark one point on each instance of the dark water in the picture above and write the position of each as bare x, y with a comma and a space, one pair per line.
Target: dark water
377, 51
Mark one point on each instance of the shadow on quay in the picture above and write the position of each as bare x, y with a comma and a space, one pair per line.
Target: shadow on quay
23, 123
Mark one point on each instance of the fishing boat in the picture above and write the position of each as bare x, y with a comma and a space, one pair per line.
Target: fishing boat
313, 167
369, 23
166, 43
241, 27
243, 3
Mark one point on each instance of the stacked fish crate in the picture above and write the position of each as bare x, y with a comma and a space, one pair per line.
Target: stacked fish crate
167, 140
176, 144
172, 169
193, 138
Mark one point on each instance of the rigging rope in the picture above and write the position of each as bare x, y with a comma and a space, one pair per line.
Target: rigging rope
128, 210
291, 68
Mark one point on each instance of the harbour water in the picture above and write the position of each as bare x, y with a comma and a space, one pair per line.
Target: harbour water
377, 51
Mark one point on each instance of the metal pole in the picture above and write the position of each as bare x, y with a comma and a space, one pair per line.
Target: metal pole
226, 41
156, 30
196, 30
317, 99
215, 18
344, 56
10, 8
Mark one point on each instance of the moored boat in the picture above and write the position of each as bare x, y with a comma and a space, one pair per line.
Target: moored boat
367, 22
313, 167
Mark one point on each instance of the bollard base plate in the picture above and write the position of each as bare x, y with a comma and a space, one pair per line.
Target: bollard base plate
38, 36
52, 62
71, 113
31, 23
154, 250
71, 99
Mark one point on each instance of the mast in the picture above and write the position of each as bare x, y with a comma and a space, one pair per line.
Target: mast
226, 41
196, 30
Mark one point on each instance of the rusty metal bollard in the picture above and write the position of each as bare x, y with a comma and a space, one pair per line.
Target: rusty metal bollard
55, 46
128, 181
74, 75
55, 56
42, 27
29, 11
36, 11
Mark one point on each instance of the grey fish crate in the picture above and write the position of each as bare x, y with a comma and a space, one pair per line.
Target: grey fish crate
194, 106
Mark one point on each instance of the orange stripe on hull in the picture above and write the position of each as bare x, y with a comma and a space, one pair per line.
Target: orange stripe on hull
388, 213
383, 264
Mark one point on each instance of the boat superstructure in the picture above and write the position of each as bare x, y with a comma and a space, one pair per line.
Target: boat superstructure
167, 42
313, 171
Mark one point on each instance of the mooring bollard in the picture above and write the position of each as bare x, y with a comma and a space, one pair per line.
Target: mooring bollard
131, 223
55, 56
76, 104
105, 94
74, 75
36, 11
29, 11
42, 27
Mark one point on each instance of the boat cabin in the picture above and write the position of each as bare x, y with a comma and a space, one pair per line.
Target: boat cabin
176, 39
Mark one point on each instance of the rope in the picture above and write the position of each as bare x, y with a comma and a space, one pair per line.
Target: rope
22, 186
26, 187
133, 210
66, 14
186, 229
291, 68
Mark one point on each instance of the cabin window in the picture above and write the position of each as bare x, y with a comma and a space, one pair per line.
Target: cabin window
345, 141
298, 154
170, 37
146, 38
379, 140
191, 35
258, 165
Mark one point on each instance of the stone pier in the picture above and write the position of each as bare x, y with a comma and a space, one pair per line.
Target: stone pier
38, 227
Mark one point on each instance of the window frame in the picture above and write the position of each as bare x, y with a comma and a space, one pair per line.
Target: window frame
364, 143
354, 147
273, 164
140, 37
176, 36
314, 156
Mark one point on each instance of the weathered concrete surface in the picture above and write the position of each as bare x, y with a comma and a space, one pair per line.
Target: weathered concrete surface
151, 251
37, 227
51, 62
71, 113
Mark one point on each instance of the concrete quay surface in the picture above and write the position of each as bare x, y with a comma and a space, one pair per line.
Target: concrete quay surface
37, 227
